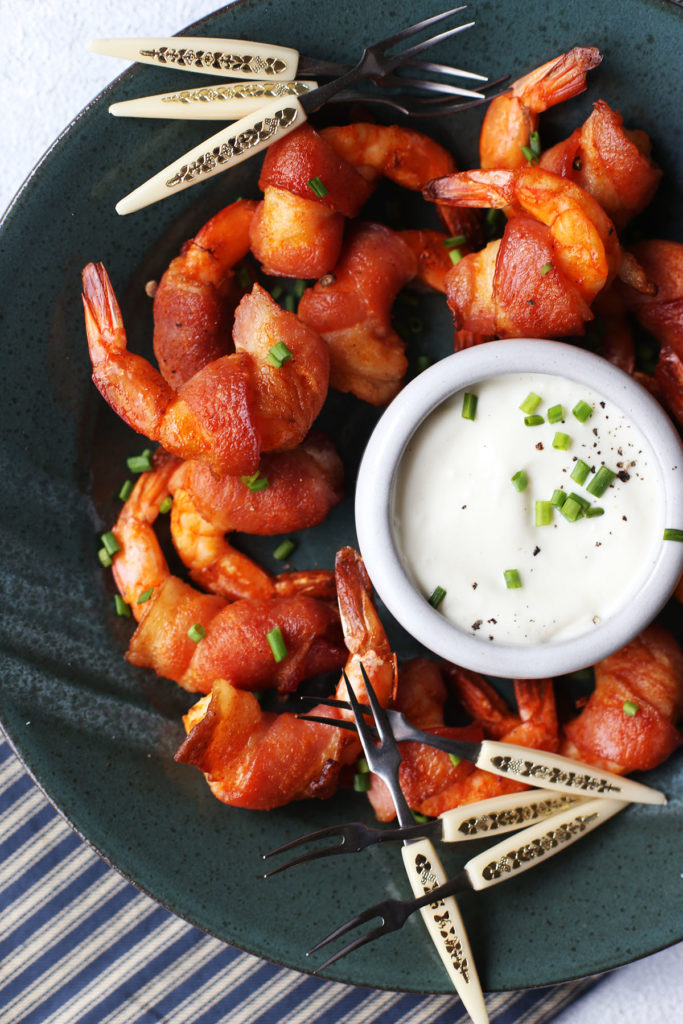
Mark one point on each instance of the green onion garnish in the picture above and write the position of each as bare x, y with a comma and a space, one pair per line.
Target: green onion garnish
279, 354
110, 543
243, 277
455, 255
455, 241
318, 188
520, 480
629, 708
558, 499
581, 500
105, 558
290, 303
469, 406
571, 509
546, 268
562, 441
145, 596
544, 513
277, 644
437, 597
141, 463
362, 766
533, 421
531, 402
555, 414
600, 482
580, 472
594, 511
121, 607
126, 488
276, 291
421, 819
583, 411
535, 143
284, 550
361, 782
422, 363
255, 482
512, 579
166, 505
455, 760
299, 288
415, 324
672, 534
529, 154
196, 632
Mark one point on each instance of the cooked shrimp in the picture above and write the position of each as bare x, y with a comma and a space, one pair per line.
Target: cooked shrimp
353, 313
195, 300
303, 485
432, 252
610, 162
231, 409
262, 760
512, 117
646, 674
231, 639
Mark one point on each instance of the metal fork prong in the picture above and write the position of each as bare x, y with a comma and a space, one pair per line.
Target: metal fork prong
441, 87
311, 837
340, 723
356, 944
362, 728
303, 858
445, 69
434, 40
381, 721
333, 702
411, 30
354, 922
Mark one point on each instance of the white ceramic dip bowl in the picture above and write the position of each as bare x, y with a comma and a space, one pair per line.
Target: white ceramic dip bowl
657, 568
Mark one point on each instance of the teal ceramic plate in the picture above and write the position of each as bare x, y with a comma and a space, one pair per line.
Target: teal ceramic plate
98, 735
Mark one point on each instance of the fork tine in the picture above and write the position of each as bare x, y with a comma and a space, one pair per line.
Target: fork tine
322, 833
340, 723
303, 858
411, 30
445, 69
361, 726
381, 720
370, 937
361, 918
426, 43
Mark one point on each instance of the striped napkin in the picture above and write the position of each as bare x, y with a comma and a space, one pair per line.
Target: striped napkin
80, 945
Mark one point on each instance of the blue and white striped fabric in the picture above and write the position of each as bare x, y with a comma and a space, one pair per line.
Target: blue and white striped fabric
80, 945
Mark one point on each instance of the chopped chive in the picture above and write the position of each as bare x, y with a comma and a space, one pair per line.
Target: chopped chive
299, 288
512, 579
126, 488
529, 154
562, 441
243, 277
437, 597
145, 596
455, 760
255, 482
279, 354
520, 480
455, 255
555, 414
196, 632
421, 819
600, 482
276, 291
121, 607
361, 782
105, 558
318, 188
546, 268
594, 511
277, 643
571, 510
141, 463
533, 421
672, 534
284, 550
469, 406
422, 363
583, 411
544, 513
629, 708
493, 220
535, 143
580, 471
110, 543
362, 766
455, 241
166, 505
415, 324
581, 500
558, 499
531, 402
290, 303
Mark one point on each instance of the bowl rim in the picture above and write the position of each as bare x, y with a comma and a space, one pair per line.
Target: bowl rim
377, 474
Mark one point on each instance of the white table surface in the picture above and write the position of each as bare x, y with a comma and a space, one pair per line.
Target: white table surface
36, 106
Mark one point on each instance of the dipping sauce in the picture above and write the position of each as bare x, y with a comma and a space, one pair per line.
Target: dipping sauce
461, 524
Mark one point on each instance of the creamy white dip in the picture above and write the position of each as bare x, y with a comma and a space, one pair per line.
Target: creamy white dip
459, 522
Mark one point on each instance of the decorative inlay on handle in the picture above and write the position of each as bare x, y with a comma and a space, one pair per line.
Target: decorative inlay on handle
550, 840
494, 820
238, 91
441, 917
236, 145
187, 57
542, 773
